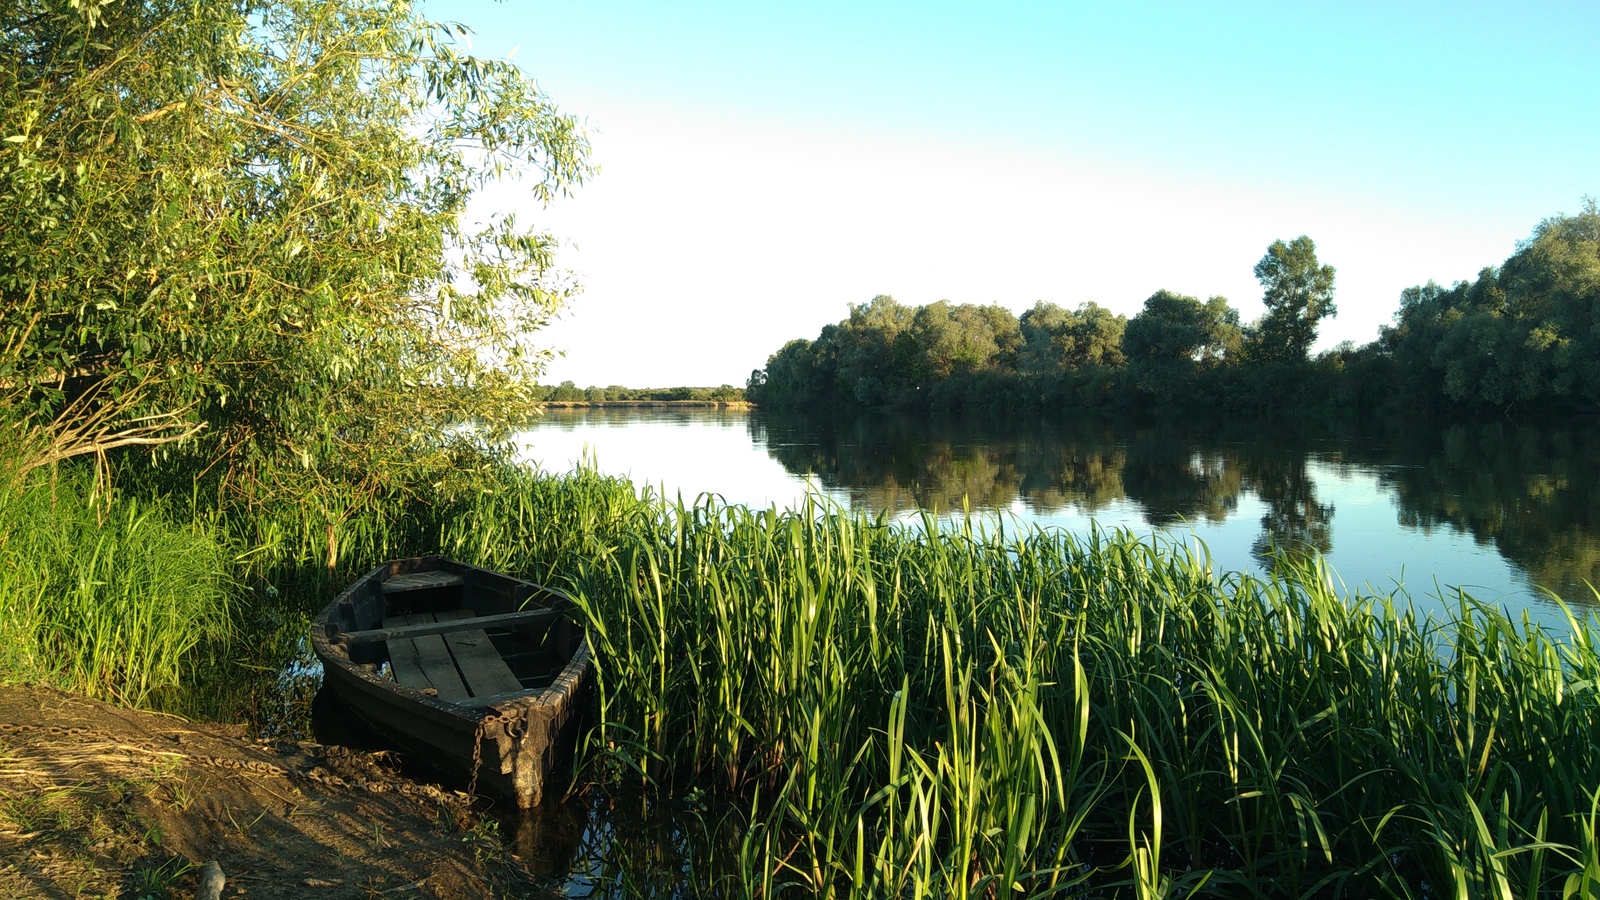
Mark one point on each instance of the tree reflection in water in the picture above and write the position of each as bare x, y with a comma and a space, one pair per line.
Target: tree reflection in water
1533, 493
1295, 525
1175, 479
1530, 492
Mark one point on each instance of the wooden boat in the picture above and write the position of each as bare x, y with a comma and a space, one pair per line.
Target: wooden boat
478, 673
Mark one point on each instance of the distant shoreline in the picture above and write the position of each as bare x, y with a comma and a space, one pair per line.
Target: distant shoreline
707, 404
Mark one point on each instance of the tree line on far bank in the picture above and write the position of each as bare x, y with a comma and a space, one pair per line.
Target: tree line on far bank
569, 392
1522, 336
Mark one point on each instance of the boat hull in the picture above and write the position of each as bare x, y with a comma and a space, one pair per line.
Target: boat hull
508, 745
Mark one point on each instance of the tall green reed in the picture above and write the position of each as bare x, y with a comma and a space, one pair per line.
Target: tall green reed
966, 711
975, 712
107, 597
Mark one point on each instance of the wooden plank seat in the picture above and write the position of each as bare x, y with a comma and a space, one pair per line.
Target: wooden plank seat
421, 581
447, 622
456, 664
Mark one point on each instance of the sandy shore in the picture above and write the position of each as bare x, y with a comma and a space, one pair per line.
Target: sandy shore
97, 801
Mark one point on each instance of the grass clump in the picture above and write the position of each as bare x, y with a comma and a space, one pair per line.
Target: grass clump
103, 597
852, 708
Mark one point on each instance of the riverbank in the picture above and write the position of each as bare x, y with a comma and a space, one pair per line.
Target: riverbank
101, 801
829, 701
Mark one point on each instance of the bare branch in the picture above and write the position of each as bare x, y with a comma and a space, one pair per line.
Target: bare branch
86, 426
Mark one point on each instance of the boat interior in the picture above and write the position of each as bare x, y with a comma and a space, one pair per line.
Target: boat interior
465, 635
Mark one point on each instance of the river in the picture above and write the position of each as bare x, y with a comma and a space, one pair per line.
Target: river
1504, 512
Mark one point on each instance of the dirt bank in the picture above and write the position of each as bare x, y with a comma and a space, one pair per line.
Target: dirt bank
97, 801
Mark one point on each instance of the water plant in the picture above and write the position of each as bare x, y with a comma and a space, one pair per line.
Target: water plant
971, 709
982, 711
975, 709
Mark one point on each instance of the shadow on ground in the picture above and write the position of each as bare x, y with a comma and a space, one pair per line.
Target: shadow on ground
108, 802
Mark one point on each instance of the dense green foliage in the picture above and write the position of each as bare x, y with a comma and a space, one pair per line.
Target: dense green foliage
250, 216
1523, 336
1174, 338
1298, 294
1177, 349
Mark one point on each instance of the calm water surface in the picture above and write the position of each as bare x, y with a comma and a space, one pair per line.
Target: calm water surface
1500, 511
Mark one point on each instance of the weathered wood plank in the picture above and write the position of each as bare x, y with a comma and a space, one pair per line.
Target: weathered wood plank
480, 664
503, 620
434, 658
491, 699
403, 656
421, 581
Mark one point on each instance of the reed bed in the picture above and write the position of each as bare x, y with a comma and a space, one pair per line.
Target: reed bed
106, 597
852, 708
988, 712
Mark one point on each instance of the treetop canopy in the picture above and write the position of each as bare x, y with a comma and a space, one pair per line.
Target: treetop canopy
250, 215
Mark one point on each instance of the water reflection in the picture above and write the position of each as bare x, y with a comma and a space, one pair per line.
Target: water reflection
571, 418
897, 464
1295, 522
1493, 507
1531, 493
1175, 481
620, 843
1174, 476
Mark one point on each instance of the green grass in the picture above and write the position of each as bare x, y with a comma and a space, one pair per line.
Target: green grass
926, 712
929, 712
857, 709
108, 599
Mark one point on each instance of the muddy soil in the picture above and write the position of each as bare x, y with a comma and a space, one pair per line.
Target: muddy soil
97, 801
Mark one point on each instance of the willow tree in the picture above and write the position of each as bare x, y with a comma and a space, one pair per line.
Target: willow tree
1524, 334
249, 216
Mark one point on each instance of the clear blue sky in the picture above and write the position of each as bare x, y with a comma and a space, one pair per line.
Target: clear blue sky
764, 165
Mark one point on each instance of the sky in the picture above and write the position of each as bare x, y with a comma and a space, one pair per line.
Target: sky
762, 166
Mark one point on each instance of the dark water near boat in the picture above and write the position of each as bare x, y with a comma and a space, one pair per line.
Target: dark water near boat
1501, 511
621, 843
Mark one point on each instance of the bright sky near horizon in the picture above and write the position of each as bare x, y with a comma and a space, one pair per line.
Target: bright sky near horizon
763, 165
